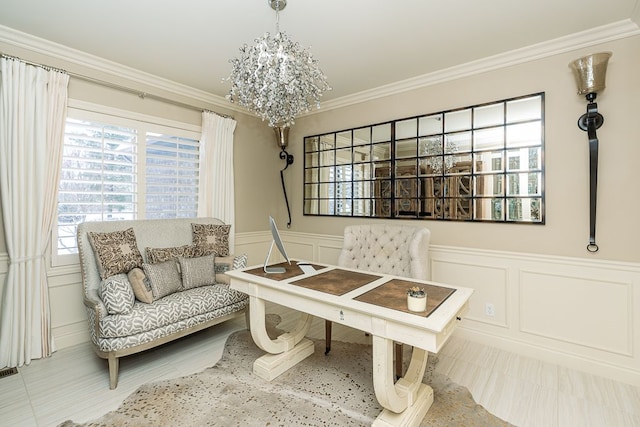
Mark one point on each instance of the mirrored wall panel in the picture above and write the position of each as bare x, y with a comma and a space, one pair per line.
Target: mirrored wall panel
478, 163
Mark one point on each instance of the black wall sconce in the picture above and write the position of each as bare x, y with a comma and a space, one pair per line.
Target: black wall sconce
282, 138
590, 73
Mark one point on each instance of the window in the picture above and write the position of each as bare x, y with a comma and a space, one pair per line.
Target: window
116, 168
171, 176
479, 163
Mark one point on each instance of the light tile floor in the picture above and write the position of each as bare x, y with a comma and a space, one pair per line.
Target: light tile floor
73, 383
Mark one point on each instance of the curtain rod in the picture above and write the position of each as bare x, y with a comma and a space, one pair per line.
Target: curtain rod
140, 94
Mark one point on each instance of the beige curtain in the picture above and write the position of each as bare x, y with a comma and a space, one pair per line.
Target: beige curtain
215, 187
33, 104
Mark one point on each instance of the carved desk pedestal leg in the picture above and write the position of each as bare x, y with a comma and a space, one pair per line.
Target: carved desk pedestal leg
407, 401
283, 352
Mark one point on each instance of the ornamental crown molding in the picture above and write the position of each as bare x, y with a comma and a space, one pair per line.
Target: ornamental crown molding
606, 33
86, 60
615, 31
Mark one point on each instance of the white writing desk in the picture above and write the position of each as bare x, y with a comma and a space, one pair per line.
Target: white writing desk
364, 301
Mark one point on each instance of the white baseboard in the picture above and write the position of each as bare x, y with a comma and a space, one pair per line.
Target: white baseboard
578, 362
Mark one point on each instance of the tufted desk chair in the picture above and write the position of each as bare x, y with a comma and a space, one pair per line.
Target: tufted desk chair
391, 249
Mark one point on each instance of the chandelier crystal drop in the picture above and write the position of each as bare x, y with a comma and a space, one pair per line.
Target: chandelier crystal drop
276, 79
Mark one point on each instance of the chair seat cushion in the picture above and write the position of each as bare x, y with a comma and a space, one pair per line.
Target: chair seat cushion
173, 308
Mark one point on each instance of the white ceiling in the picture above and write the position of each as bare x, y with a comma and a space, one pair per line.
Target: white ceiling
360, 44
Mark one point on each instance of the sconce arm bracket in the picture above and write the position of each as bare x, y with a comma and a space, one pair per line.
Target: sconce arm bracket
590, 122
591, 115
288, 158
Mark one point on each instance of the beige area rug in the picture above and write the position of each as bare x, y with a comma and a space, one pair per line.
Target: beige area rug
333, 390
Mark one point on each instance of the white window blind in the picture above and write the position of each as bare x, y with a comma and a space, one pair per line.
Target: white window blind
98, 177
117, 168
171, 176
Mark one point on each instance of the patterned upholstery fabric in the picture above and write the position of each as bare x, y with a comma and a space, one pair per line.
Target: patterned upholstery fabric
399, 250
173, 312
224, 264
116, 252
212, 238
240, 261
165, 319
197, 271
164, 278
158, 255
117, 295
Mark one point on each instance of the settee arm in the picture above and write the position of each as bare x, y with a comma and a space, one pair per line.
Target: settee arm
98, 309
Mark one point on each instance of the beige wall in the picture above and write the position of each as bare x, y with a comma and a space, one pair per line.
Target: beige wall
566, 230
258, 190
256, 162
518, 285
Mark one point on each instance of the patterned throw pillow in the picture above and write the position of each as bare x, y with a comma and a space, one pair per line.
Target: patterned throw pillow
224, 264
157, 255
116, 252
140, 285
212, 238
197, 271
117, 295
163, 278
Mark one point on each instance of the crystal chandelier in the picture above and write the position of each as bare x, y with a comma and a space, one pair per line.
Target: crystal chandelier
432, 147
276, 78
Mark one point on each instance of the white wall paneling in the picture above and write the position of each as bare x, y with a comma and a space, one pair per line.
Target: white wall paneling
255, 245
4, 265
573, 312
312, 247
577, 309
490, 298
68, 316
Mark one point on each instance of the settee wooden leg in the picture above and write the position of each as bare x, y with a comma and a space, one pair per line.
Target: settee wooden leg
327, 336
114, 365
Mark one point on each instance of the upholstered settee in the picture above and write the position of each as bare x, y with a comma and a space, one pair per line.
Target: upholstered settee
148, 282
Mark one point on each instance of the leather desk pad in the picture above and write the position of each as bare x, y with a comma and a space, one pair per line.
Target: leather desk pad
292, 270
393, 294
336, 282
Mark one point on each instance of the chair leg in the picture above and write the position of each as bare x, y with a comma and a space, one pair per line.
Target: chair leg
398, 360
327, 336
114, 365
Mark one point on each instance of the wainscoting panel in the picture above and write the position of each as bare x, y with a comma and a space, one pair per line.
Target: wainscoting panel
329, 253
313, 247
303, 251
579, 313
489, 301
4, 265
255, 245
577, 309
572, 312
68, 316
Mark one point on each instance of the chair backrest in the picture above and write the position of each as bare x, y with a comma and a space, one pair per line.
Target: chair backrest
391, 249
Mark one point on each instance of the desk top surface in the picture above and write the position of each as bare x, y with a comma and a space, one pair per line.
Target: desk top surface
367, 291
